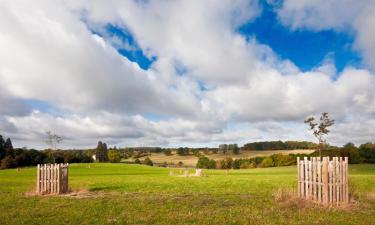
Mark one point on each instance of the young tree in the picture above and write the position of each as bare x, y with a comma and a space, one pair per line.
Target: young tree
52, 141
320, 128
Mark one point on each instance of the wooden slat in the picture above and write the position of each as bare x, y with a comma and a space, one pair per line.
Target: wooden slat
302, 173
298, 179
314, 178
319, 166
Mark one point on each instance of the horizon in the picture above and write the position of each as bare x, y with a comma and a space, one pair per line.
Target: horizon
185, 73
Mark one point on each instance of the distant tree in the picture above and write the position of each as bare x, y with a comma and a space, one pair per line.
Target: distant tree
203, 162
2, 152
180, 164
101, 152
148, 161
320, 128
8, 162
114, 156
236, 164
167, 152
236, 149
267, 162
137, 161
8, 148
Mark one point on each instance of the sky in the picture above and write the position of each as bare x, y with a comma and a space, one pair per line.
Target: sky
185, 72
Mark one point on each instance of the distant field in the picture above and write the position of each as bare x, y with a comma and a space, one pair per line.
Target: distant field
137, 194
191, 160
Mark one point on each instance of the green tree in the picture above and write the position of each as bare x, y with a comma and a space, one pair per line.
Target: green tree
101, 152
8, 148
148, 161
203, 162
267, 162
320, 129
2, 152
114, 156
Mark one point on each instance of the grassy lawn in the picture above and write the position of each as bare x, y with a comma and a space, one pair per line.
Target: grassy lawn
136, 194
191, 160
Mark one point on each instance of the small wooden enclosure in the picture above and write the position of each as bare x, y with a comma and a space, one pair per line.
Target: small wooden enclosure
323, 180
52, 178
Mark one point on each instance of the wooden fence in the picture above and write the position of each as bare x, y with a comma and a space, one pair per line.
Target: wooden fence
52, 178
323, 180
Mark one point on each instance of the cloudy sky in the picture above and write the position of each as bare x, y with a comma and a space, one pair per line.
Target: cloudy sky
185, 73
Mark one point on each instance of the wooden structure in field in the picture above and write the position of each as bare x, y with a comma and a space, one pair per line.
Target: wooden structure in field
323, 180
52, 178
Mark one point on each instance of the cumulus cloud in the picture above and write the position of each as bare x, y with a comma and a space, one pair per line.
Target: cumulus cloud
207, 85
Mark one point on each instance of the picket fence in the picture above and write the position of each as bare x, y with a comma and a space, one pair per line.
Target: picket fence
52, 178
323, 180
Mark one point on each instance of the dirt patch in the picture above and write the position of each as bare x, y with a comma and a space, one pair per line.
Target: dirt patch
82, 193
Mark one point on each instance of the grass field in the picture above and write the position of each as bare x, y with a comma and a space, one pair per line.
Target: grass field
191, 160
136, 194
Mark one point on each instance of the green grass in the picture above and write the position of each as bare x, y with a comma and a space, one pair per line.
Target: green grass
135, 194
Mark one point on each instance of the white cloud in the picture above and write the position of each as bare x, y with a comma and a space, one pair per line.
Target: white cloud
49, 54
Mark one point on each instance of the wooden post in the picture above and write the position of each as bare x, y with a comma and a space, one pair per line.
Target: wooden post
319, 181
58, 178
306, 178
314, 178
325, 180
334, 180
298, 179
37, 179
302, 178
346, 181
337, 181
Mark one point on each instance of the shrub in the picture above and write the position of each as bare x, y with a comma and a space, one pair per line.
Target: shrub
8, 162
267, 162
148, 161
203, 162
137, 161
114, 156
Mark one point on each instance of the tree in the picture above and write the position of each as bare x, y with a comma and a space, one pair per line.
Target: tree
101, 152
114, 156
236, 149
148, 161
2, 152
8, 148
320, 129
203, 162
52, 141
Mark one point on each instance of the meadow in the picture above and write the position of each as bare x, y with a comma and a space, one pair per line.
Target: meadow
137, 194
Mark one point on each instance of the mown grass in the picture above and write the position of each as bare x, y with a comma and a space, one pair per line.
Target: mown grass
136, 194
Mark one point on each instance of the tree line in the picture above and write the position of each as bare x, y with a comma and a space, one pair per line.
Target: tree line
365, 153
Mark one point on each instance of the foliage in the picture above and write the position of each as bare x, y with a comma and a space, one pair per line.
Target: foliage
102, 152
148, 161
183, 151
278, 145
114, 156
267, 162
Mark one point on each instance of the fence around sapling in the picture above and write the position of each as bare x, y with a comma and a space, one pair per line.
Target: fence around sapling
323, 180
52, 178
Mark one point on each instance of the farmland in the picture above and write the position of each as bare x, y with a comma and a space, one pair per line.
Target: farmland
137, 194
191, 160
